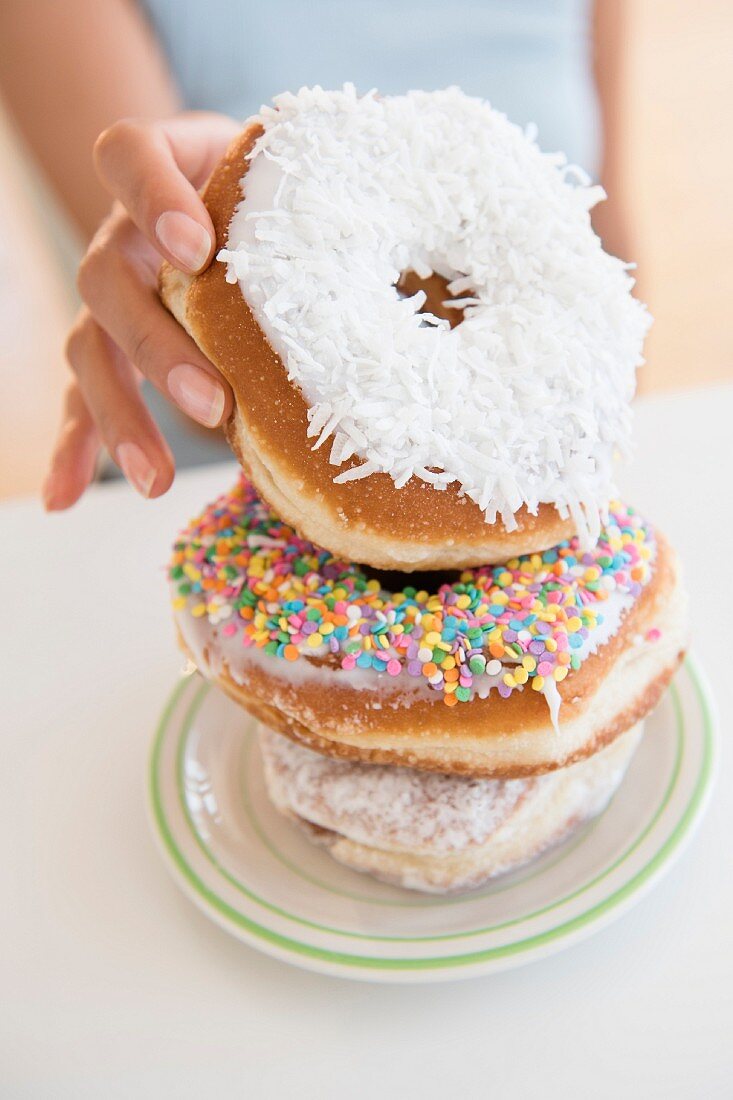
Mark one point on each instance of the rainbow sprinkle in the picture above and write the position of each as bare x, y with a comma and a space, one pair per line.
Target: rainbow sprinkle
521, 622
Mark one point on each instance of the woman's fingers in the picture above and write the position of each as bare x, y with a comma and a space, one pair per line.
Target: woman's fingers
116, 281
75, 454
111, 395
153, 169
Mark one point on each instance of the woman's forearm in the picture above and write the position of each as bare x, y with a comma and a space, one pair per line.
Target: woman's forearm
610, 45
67, 71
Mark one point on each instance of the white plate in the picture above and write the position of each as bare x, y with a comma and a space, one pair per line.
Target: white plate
254, 873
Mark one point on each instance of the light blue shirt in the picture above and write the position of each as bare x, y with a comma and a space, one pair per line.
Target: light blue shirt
529, 58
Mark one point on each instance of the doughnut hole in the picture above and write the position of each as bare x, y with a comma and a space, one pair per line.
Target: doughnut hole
436, 295
391, 580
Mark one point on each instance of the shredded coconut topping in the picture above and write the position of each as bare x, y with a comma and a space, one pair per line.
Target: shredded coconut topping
526, 400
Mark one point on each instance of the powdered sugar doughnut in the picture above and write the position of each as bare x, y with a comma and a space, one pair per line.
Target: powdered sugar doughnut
436, 833
372, 426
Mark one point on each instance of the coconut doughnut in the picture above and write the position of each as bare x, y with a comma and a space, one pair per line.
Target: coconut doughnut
502, 671
431, 355
430, 832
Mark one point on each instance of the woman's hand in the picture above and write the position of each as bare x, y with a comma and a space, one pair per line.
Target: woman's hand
123, 333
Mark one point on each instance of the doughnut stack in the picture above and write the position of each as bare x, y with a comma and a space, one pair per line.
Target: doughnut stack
421, 584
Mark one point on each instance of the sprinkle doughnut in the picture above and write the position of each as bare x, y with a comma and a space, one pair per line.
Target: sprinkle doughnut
431, 355
505, 670
430, 832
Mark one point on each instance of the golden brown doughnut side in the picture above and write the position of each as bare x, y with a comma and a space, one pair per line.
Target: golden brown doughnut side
268, 433
458, 763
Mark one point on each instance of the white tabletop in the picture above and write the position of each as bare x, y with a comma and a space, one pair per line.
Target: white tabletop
113, 985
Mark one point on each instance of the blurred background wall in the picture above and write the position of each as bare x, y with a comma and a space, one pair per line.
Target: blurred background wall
679, 166
678, 161
37, 303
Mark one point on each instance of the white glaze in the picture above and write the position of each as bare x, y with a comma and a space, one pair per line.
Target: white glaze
213, 651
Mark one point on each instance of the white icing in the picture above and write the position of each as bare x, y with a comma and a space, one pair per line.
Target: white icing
212, 651
524, 402
553, 700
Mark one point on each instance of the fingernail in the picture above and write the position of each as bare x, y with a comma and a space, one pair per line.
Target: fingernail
136, 468
187, 242
49, 495
197, 393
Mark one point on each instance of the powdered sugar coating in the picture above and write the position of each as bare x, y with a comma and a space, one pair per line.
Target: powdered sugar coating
390, 808
524, 402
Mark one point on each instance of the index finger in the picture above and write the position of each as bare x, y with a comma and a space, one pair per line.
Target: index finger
153, 169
